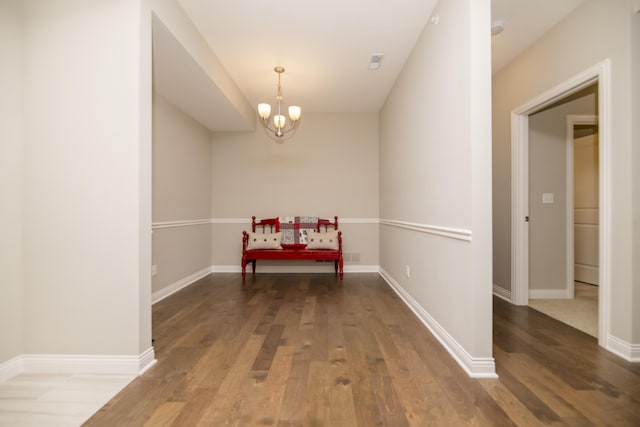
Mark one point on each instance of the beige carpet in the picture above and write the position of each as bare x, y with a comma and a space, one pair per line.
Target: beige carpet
580, 312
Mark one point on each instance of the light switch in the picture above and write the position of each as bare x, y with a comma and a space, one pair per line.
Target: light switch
547, 198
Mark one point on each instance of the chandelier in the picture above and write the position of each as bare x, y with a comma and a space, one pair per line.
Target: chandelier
279, 132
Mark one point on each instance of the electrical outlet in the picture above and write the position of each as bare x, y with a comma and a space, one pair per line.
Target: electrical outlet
154, 270
407, 271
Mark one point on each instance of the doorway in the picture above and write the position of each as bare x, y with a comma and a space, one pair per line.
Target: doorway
574, 301
520, 226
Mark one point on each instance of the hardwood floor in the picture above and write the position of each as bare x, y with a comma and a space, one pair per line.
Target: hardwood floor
306, 350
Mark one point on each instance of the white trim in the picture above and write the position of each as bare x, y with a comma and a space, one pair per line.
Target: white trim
358, 220
187, 223
10, 368
453, 233
226, 269
600, 73
573, 120
587, 273
475, 367
629, 352
292, 268
82, 364
147, 360
503, 293
161, 294
231, 221
350, 268
605, 206
519, 208
173, 224
549, 294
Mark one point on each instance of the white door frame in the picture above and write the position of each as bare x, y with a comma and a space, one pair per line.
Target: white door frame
572, 120
600, 73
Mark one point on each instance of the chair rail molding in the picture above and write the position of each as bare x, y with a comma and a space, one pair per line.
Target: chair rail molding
453, 233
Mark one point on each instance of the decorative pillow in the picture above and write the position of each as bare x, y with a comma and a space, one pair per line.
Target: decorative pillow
328, 240
264, 241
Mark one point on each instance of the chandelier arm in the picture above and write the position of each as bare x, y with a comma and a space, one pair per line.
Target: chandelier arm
268, 132
289, 133
265, 124
275, 138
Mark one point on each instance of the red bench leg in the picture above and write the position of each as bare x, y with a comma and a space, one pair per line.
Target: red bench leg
340, 268
244, 267
253, 266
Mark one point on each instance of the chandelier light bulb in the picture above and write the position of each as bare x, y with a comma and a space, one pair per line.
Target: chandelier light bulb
294, 113
279, 121
264, 110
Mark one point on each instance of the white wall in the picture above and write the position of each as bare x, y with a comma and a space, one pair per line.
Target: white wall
330, 167
87, 156
181, 192
11, 305
435, 172
548, 174
595, 31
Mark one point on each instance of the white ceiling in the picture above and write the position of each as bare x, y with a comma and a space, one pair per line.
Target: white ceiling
524, 22
326, 46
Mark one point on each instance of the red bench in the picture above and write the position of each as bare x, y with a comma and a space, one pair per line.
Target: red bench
290, 252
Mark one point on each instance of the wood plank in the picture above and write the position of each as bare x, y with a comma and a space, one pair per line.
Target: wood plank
165, 414
228, 400
341, 395
318, 403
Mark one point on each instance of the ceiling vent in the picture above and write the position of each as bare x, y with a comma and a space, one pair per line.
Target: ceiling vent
376, 60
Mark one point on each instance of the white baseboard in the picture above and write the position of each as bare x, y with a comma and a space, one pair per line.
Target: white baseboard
226, 269
361, 268
77, 364
147, 360
10, 368
292, 268
629, 352
475, 367
503, 293
586, 273
161, 294
548, 294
